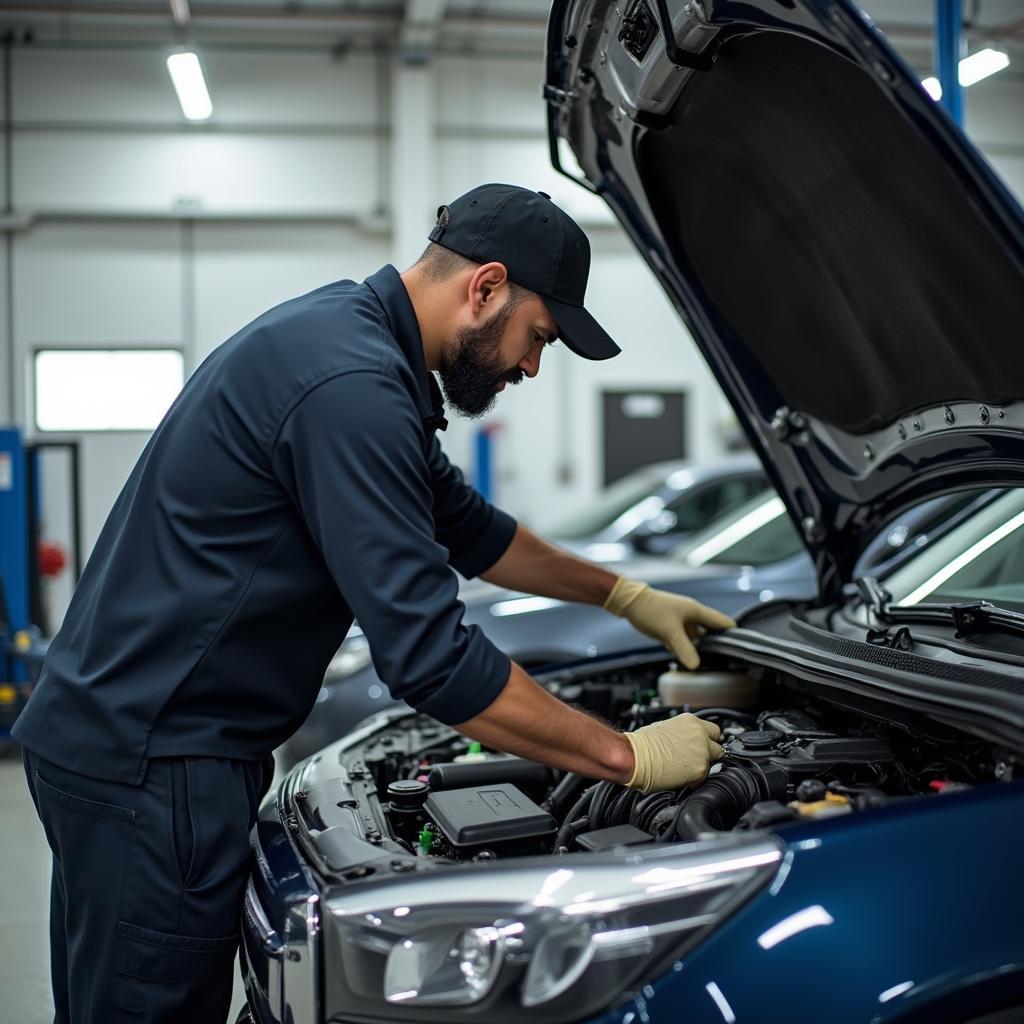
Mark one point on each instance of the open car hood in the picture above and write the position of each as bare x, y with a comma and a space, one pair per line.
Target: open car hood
849, 265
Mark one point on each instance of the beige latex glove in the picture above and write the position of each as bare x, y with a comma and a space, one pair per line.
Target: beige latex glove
673, 753
671, 618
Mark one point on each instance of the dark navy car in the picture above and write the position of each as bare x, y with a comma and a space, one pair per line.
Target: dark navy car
853, 273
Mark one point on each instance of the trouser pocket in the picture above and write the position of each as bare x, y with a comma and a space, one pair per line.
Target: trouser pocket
159, 977
183, 825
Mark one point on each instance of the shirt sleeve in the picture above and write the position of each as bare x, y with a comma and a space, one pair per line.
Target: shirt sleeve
475, 533
351, 456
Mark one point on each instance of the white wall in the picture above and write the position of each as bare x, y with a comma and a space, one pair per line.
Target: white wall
995, 122
149, 232
6, 413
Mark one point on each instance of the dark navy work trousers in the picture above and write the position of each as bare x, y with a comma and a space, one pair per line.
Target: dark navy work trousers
147, 887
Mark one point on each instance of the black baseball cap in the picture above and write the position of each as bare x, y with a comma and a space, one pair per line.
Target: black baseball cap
543, 249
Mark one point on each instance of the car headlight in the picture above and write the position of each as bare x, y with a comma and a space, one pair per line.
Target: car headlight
547, 941
352, 657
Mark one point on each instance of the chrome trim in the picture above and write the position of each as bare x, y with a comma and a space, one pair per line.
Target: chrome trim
301, 997
573, 886
260, 922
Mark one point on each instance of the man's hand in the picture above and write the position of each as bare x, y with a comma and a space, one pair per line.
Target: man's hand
671, 618
673, 753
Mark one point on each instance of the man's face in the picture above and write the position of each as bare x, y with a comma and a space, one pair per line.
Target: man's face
503, 348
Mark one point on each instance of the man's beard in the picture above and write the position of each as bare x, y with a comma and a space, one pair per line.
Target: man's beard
471, 372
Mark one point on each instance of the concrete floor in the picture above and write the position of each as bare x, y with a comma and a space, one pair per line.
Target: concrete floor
24, 906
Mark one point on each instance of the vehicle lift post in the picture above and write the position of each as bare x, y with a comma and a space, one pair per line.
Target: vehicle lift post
949, 47
14, 578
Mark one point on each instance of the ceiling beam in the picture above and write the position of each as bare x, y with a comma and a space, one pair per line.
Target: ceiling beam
421, 26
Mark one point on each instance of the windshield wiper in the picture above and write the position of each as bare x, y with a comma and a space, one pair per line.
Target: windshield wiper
967, 617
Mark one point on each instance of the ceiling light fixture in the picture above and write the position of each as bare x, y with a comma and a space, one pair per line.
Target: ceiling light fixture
971, 70
187, 76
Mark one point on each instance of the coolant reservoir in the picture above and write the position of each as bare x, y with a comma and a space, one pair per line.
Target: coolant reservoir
708, 689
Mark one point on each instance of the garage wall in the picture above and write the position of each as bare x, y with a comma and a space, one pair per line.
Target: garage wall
6, 383
995, 122
148, 231
491, 127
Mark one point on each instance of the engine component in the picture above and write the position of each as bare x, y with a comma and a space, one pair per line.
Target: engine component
766, 739
500, 817
474, 753
617, 835
708, 689
532, 778
408, 794
788, 757
832, 803
406, 798
717, 805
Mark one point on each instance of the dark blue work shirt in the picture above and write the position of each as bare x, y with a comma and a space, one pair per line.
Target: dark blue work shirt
296, 482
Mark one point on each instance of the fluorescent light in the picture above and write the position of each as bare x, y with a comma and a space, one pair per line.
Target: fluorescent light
971, 70
981, 64
187, 76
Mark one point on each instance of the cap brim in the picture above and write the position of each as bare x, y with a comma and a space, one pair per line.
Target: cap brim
580, 331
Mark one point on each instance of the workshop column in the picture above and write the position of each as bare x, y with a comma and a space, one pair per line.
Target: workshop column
414, 196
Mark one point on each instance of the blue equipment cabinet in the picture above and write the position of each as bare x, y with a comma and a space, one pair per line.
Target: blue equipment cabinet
15, 629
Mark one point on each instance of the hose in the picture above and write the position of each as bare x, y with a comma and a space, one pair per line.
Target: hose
719, 803
568, 790
576, 820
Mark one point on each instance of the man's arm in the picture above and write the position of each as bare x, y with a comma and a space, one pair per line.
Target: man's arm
526, 720
534, 566
537, 567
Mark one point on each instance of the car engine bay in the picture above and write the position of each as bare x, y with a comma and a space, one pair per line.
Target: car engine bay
412, 793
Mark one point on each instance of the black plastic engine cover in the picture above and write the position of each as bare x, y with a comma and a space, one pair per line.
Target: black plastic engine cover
489, 817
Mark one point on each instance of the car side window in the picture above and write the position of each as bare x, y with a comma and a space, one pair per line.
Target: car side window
696, 509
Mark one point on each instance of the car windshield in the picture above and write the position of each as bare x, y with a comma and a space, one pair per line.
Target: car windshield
982, 559
757, 533
642, 485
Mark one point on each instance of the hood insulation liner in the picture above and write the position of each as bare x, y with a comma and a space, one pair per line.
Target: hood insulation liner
832, 239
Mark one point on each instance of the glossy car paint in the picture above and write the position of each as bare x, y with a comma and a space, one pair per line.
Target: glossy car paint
865, 921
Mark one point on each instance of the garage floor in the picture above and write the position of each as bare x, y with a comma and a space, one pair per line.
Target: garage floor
24, 905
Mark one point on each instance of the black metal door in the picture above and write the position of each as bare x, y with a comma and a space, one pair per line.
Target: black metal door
641, 427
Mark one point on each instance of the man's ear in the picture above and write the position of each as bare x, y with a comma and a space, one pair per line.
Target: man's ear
488, 280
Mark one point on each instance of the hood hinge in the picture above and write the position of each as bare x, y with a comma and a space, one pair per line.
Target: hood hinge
790, 425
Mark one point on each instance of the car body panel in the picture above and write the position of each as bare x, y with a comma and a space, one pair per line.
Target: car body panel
841, 945
839, 81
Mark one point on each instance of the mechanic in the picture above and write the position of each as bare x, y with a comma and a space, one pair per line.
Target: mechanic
297, 482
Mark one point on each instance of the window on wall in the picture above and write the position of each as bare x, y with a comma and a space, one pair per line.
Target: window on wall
105, 389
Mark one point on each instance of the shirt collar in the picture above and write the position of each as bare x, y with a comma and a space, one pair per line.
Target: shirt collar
387, 285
